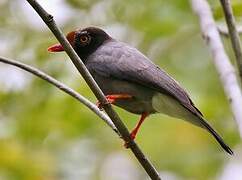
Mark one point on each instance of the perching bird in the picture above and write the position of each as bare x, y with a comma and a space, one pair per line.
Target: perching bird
131, 81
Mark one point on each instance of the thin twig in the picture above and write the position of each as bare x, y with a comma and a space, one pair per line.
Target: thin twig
48, 19
234, 35
224, 31
220, 59
62, 87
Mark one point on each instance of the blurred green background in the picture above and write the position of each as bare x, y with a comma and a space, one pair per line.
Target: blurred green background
47, 135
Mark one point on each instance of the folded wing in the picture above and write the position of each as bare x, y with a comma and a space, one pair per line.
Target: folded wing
120, 61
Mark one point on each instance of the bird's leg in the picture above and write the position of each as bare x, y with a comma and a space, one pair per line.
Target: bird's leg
113, 97
136, 129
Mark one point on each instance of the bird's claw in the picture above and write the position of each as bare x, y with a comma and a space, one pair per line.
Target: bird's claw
99, 105
127, 143
110, 100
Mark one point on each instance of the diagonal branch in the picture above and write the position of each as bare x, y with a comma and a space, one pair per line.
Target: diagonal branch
234, 35
62, 87
224, 31
220, 59
48, 19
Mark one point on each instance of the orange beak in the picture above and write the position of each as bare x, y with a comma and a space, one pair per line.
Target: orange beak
55, 48
58, 47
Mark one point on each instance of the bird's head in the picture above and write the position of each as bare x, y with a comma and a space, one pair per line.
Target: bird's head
84, 41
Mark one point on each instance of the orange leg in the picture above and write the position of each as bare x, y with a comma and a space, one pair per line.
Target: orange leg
113, 97
136, 129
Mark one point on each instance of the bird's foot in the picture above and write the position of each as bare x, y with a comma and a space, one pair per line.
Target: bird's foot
112, 98
109, 99
136, 129
132, 136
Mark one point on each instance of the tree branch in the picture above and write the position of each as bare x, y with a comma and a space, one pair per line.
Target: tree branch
224, 30
62, 87
220, 59
48, 19
234, 35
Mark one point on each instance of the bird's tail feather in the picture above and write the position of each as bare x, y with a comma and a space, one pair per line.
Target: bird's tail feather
169, 106
215, 135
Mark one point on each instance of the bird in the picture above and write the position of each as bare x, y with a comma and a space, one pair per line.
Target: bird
132, 81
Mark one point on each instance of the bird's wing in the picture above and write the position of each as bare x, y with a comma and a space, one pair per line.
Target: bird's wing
120, 61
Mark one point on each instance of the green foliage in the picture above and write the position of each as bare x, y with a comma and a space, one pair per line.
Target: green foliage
82, 4
236, 6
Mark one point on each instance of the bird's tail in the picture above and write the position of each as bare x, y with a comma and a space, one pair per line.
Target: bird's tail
219, 139
169, 106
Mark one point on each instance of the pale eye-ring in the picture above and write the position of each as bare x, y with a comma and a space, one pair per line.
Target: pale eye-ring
84, 39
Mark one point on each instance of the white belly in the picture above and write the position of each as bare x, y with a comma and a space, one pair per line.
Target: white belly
171, 107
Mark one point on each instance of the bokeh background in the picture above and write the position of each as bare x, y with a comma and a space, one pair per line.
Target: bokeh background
47, 135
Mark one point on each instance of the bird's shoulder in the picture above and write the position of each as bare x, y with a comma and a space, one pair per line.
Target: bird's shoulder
115, 57
115, 51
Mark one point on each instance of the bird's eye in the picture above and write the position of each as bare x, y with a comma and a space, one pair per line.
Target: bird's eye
84, 39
